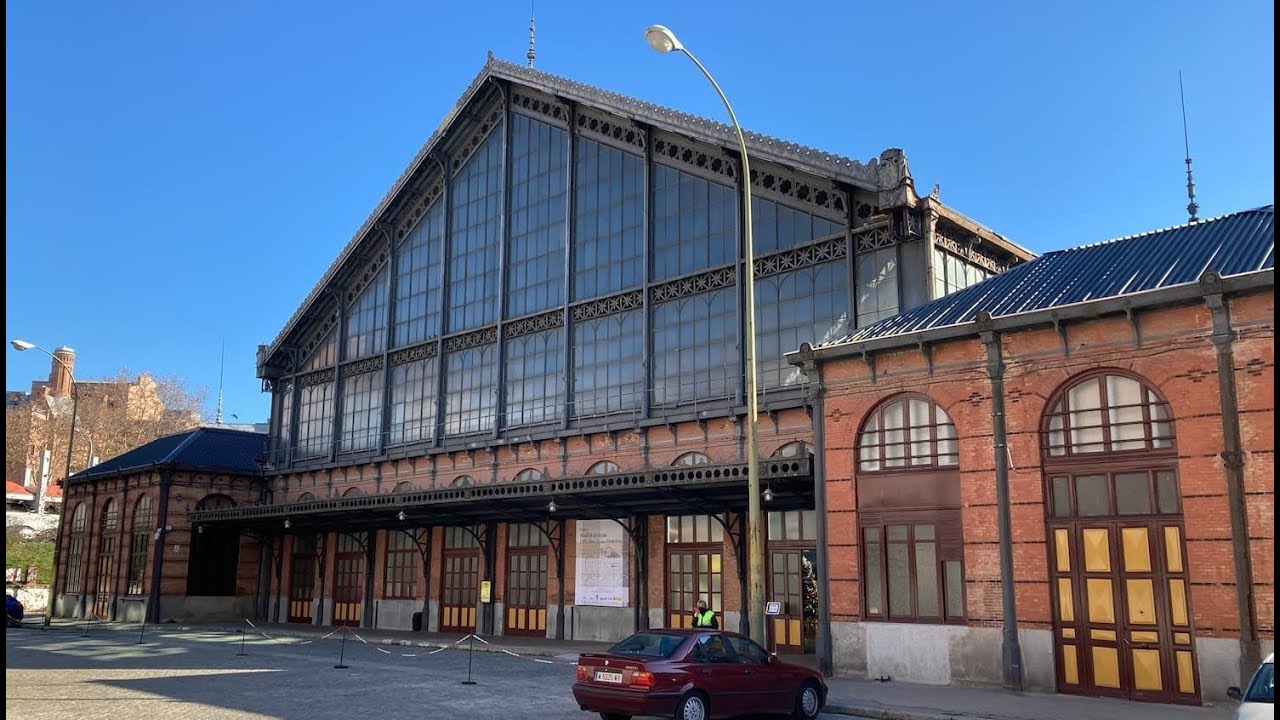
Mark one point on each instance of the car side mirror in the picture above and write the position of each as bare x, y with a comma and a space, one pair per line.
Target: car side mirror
1235, 693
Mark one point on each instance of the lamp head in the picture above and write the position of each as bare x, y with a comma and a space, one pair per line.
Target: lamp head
401, 516
21, 345
551, 506
287, 524
662, 39
768, 494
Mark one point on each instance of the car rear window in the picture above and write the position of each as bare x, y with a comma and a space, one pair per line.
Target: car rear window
1263, 687
654, 645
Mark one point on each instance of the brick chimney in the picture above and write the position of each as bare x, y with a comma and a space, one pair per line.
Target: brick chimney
60, 372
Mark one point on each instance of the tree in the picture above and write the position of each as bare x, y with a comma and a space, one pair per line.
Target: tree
113, 416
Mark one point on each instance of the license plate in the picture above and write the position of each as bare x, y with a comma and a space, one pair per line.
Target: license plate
609, 677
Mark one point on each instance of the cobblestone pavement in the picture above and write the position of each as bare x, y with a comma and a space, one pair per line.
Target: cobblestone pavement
198, 675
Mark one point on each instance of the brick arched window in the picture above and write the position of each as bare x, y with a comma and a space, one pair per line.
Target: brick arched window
352, 492
1106, 411
796, 449
404, 487
690, 459
75, 549
139, 542
907, 432
1108, 445
604, 467
462, 481
528, 475
908, 490
306, 497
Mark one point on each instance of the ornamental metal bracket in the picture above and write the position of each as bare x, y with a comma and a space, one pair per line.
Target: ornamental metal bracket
1132, 317
870, 359
1060, 327
926, 351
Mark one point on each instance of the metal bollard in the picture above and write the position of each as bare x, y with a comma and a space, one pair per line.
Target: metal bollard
342, 649
242, 653
470, 650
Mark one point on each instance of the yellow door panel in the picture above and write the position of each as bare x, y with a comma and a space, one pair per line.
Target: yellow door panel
1106, 667
1146, 670
1137, 549
1101, 604
1178, 602
1097, 549
1062, 549
1186, 675
1070, 665
1066, 606
1173, 549
1141, 596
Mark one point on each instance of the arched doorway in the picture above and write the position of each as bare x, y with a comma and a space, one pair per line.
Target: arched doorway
1117, 555
104, 589
215, 552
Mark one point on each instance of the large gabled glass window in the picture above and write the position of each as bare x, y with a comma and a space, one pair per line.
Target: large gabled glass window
539, 195
608, 364
694, 223
367, 320
777, 227
315, 419
476, 207
695, 348
470, 386
877, 274
418, 277
535, 377
413, 402
361, 411
806, 305
609, 239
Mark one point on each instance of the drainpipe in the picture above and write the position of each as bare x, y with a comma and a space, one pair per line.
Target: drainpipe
817, 399
1233, 459
1010, 650
157, 558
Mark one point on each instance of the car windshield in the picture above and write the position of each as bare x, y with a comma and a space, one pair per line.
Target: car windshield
655, 645
1263, 687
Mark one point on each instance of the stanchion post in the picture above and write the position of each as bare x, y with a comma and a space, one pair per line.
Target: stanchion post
84, 628
242, 653
142, 631
342, 650
470, 651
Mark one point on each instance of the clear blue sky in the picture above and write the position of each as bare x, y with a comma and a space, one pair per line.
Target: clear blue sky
178, 174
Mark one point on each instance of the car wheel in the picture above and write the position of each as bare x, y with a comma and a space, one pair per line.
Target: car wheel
808, 702
692, 707
614, 716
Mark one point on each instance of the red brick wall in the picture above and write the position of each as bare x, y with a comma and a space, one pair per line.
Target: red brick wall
1175, 357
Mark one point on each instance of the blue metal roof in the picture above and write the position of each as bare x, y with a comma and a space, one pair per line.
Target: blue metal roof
233, 451
1233, 244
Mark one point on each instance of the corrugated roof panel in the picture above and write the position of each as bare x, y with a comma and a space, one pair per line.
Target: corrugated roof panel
1229, 245
230, 450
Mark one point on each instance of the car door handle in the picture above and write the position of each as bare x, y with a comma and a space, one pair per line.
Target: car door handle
706, 672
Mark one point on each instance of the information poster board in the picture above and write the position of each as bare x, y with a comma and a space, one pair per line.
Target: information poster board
601, 576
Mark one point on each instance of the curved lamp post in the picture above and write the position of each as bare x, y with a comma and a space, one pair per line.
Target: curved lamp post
23, 346
664, 41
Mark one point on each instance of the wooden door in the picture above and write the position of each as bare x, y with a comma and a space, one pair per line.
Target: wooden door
1122, 623
526, 592
348, 580
302, 580
692, 575
786, 586
459, 580
104, 590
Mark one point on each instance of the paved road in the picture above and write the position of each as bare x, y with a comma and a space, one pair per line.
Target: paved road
194, 675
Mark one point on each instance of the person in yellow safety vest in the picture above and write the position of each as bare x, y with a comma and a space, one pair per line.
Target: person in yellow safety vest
704, 618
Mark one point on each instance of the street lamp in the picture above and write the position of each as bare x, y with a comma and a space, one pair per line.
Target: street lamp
664, 41
23, 346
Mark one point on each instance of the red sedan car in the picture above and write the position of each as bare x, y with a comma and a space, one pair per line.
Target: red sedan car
694, 675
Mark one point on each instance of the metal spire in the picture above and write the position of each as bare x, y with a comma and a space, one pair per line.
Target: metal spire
1192, 207
531, 54
217, 419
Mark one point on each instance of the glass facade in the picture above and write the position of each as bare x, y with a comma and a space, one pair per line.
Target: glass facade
952, 273
639, 260
475, 205
535, 377
418, 276
608, 364
608, 250
694, 223
539, 198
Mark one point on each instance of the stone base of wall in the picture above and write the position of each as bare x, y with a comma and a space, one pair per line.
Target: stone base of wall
587, 622
197, 609
937, 654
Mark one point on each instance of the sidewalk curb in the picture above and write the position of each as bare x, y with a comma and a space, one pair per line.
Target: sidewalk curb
885, 713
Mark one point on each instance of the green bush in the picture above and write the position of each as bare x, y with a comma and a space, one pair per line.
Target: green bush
19, 553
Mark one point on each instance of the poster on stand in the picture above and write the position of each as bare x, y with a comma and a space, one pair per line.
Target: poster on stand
601, 567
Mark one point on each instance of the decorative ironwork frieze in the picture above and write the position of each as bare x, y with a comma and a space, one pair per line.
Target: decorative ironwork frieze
370, 272
694, 284
360, 367
701, 160
873, 236
613, 130
486, 121
316, 378
608, 306
421, 351
789, 186
471, 339
801, 257
539, 106
320, 335
967, 250
417, 207
535, 323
